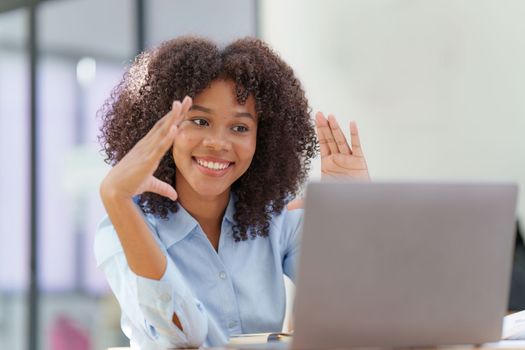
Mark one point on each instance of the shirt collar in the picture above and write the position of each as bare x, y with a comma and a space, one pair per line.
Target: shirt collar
230, 209
180, 224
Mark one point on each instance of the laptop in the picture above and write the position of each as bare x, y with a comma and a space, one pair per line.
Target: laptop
403, 264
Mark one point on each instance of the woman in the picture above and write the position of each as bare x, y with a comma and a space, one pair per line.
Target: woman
208, 148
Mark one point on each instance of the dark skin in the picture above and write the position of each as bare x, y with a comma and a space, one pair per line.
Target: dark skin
225, 136
134, 175
212, 147
223, 133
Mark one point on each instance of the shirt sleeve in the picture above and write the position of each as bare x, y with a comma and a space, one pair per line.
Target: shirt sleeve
292, 225
150, 304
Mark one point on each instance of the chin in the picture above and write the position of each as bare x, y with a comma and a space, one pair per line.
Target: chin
209, 190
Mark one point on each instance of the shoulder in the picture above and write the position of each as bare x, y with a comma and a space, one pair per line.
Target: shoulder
285, 226
288, 218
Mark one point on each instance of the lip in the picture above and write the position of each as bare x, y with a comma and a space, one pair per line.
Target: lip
211, 172
213, 159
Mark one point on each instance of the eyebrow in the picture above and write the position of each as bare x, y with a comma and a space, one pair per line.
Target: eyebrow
209, 111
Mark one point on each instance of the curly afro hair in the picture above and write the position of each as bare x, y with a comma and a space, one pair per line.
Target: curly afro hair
286, 140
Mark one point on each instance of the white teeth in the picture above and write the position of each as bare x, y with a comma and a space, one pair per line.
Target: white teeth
213, 165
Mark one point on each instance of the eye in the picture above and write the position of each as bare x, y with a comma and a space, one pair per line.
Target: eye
200, 122
240, 128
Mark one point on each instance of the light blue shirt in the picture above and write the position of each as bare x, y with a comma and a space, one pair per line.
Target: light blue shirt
239, 289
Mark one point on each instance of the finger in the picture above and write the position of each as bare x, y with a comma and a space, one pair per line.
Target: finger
162, 138
160, 187
340, 139
326, 140
295, 204
153, 139
174, 116
186, 103
319, 120
329, 136
166, 120
177, 112
164, 123
355, 141
185, 107
168, 131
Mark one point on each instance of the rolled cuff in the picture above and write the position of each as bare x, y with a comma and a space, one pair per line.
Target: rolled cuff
159, 300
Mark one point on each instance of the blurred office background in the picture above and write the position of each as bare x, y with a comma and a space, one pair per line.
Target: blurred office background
437, 88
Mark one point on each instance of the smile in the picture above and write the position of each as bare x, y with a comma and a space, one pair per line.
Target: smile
212, 165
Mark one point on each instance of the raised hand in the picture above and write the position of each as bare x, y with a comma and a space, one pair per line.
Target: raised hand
338, 158
133, 175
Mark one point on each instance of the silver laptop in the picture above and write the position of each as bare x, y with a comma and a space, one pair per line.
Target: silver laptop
404, 264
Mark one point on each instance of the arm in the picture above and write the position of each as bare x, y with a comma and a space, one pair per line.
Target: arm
148, 305
143, 255
134, 175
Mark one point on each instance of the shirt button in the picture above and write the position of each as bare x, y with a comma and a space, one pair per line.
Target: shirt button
165, 297
222, 275
232, 324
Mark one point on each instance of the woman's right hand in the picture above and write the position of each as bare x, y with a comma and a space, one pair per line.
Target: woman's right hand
133, 175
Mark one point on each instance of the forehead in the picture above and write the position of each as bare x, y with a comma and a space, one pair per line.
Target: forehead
220, 97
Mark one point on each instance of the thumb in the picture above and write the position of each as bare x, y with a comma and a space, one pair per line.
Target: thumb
160, 187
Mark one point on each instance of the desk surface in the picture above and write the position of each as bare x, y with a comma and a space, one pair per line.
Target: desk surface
503, 345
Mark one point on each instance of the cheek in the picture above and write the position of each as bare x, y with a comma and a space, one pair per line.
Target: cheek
247, 148
187, 139
183, 144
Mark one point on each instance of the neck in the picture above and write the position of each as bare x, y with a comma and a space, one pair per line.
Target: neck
207, 210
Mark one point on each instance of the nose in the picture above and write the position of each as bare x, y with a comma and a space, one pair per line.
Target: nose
217, 141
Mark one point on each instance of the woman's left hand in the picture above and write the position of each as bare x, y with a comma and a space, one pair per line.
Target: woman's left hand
338, 158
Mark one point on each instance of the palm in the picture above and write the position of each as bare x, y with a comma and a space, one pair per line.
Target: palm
337, 166
133, 174
338, 158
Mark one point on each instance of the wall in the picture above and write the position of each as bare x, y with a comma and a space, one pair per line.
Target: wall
435, 86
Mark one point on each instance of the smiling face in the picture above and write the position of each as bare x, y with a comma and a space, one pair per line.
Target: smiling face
217, 142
